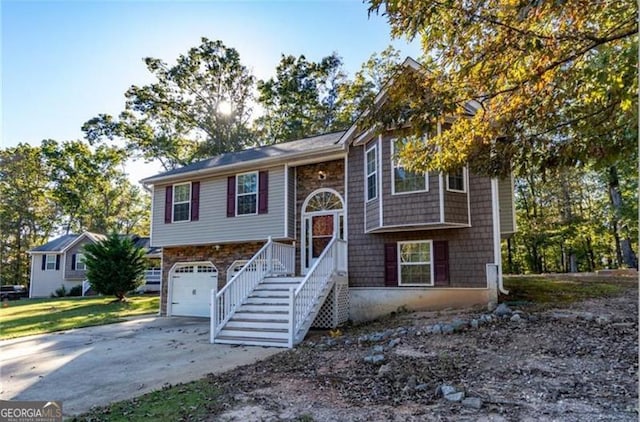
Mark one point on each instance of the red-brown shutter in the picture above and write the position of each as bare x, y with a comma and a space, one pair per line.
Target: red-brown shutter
73, 262
441, 262
57, 262
231, 196
44, 262
195, 201
390, 264
168, 204
263, 192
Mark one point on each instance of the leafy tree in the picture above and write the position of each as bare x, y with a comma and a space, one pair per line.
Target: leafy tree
28, 212
115, 266
301, 100
357, 94
555, 82
197, 108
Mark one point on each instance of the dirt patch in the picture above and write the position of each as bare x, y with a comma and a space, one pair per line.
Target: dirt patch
573, 363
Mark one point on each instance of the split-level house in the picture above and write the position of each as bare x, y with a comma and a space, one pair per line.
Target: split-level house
320, 230
60, 263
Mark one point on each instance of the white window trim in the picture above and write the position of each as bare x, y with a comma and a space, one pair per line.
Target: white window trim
374, 146
174, 203
431, 266
46, 265
395, 165
246, 194
79, 261
464, 182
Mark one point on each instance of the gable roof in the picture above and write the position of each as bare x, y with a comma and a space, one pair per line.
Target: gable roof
65, 242
268, 153
57, 245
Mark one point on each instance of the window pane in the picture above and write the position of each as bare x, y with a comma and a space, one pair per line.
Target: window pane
371, 186
181, 212
371, 161
415, 274
247, 204
415, 252
247, 183
456, 180
182, 193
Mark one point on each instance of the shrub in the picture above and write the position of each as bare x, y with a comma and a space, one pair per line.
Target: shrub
60, 292
115, 266
75, 290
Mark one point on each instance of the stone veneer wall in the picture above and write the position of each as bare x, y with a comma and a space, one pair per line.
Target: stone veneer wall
221, 258
307, 181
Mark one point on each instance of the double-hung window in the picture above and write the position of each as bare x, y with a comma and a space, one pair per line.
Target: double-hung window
371, 168
80, 265
456, 180
415, 260
247, 193
405, 181
51, 262
182, 202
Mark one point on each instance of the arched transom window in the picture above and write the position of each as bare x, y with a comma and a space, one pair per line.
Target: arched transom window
324, 201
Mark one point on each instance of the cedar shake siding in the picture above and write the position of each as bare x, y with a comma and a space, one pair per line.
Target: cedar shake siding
307, 181
210, 222
469, 249
70, 271
506, 197
221, 259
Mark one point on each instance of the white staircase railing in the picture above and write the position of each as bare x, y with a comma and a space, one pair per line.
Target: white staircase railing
304, 301
85, 287
272, 258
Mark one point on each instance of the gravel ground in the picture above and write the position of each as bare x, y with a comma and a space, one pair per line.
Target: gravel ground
577, 362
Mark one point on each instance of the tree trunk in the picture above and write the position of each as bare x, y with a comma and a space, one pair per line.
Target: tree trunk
628, 256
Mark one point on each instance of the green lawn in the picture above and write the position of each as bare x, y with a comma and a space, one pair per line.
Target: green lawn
558, 289
191, 401
37, 316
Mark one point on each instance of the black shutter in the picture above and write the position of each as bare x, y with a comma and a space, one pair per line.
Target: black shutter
44, 262
231, 196
168, 204
441, 262
73, 262
390, 264
195, 201
57, 262
263, 192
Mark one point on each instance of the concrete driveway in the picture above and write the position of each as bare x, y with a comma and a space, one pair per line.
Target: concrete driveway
98, 365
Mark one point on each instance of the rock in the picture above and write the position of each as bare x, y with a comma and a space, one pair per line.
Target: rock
503, 310
445, 389
563, 315
378, 349
412, 382
486, 318
393, 343
384, 370
455, 397
459, 324
533, 318
447, 329
374, 358
475, 324
422, 387
516, 318
376, 337
587, 316
472, 402
436, 329
603, 319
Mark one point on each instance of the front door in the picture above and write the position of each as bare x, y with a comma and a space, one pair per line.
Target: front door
322, 219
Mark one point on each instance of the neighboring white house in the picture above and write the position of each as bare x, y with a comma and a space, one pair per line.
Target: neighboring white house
60, 263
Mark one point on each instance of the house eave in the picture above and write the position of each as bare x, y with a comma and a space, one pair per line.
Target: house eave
319, 154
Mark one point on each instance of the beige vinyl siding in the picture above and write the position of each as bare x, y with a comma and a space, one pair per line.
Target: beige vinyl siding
43, 283
213, 225
505, 198
291, 203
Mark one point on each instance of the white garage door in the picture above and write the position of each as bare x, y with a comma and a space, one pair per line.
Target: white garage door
190, 289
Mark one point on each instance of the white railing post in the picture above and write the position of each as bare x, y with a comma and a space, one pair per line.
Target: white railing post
212, 322
270, 257
292, 316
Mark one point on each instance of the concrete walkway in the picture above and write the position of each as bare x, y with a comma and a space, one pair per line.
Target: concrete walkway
98, 365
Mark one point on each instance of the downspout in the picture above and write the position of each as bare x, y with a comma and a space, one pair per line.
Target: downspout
497, 252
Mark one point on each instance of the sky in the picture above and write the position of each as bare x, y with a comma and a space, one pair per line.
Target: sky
64, 62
